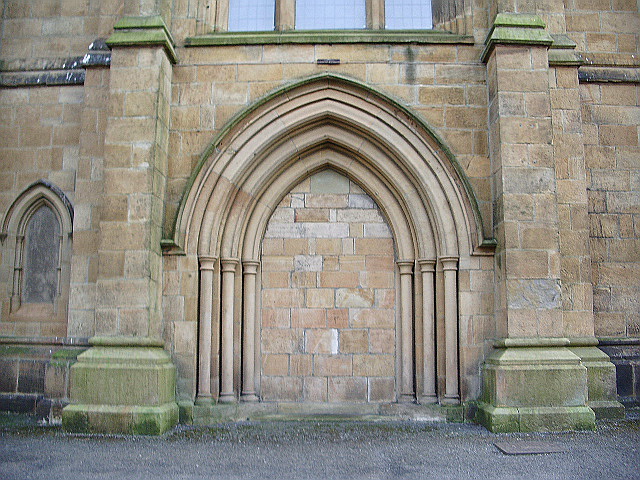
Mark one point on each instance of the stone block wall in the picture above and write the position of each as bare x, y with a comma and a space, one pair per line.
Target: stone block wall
180, 315
611, 114
39, 140
328, 296
604, 28
35, 378
54, 28
88, 203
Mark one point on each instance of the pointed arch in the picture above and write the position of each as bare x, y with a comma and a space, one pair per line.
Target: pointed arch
281, 122
37, 192
329, 122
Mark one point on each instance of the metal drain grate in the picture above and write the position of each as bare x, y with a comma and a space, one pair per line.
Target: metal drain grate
528, 447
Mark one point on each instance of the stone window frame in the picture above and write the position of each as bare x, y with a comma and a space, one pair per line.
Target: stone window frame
285, 14
13, 233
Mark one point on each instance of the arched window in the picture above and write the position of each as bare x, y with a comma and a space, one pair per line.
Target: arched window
36, 234
41, 256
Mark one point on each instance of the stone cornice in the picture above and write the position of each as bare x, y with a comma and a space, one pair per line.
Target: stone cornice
516, 29
143, 31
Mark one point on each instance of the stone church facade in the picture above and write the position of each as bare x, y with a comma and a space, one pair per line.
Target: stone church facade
228, 210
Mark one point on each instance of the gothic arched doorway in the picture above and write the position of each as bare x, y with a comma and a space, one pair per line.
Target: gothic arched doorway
328, 128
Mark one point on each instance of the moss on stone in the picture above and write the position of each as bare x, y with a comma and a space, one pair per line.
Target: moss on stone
67, 354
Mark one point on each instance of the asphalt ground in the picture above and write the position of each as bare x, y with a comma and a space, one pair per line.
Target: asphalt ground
320, 450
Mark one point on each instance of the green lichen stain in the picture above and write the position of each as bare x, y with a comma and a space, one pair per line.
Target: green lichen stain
13, 351
66, 354
146, 427
76, 422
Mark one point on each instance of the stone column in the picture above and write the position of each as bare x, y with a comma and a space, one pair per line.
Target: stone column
126, 382
407, 393
250, 270
531, 371
228, 265
450, 269
207, 267
429, 394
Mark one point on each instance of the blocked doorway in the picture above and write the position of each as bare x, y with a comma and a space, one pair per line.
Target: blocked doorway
328, 323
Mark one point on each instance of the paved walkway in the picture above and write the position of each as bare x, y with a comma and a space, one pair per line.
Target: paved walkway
322, 450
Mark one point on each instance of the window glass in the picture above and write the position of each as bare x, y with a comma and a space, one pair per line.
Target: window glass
42, 245
408, 14
251, 15
330, 14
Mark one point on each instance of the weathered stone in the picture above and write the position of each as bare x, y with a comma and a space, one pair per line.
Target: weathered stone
532, 294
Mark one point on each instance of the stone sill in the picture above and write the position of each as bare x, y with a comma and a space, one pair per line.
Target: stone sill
329, 37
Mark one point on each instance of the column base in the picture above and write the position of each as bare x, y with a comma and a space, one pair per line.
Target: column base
122, 385
602, 394
227, 398
123, 419
535, 388
202, 400
534, 419
407, 398
428, 399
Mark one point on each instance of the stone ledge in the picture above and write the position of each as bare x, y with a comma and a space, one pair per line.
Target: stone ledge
529, 342
67, 341
589, 74
143, 31
516, 29
210, 413
43, 72
328, 37
122, 341
42, 79
562, 52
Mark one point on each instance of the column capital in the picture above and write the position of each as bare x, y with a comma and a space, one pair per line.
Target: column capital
229, 264
405, 266
449, 262
250, 267
207, 262
427, 265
